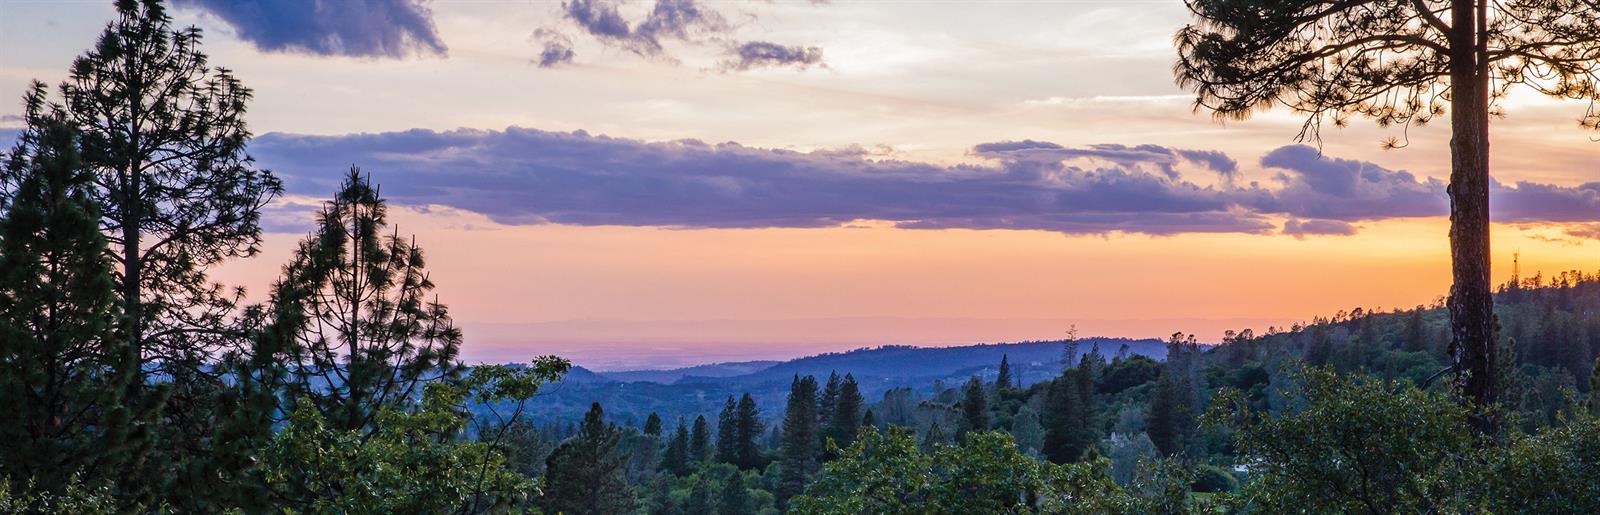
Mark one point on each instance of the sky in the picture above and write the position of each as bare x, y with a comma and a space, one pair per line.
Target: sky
655, 183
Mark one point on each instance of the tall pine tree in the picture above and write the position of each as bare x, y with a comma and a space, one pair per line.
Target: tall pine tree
700, 441
585, 474
799, 448
845, 423
727, 432
67, 373
748, 427
974, 410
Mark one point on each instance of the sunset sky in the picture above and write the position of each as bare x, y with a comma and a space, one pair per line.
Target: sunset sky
654, 183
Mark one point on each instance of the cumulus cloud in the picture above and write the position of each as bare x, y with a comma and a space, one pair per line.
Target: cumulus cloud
761, 54
359, 28
557, 48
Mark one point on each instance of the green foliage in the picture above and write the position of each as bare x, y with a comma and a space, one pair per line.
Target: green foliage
413, 460
974, 409
888, 473
72, 498
1360, 445
67, 372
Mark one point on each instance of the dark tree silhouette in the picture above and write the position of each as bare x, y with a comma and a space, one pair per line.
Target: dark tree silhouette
164, 134
700, 441
801, 438
974, 410
585, 474
747, 427
66, 372
1403, 63
353, 316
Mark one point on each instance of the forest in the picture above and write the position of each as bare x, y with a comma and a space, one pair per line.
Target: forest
135, 383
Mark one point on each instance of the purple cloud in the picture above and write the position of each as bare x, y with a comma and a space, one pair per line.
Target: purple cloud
1302, 228
358, 28
761, 54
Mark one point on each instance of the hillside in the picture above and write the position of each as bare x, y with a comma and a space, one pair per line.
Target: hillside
630, 396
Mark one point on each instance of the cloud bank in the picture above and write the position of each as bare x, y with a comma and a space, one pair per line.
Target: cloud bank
357, 28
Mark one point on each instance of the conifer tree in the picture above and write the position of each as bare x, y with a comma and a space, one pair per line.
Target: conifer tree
1415, 333
676, 459
727, 432
799, 448
164, 136
974, 410
1404, 63
869, 422
585, 474
652, 425
700, 441
846, 419
1169, 419
1067, 428
1002, 381
354, 316
747, 428
66, 372
830, 398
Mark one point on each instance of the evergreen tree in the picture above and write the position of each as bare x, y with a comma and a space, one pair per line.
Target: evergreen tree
652, 425
974, 410
1169, 419
869, 422
1068, 430
846, 419
65, 370
676, 459
727, 432
163, 139
799, 448
354, 316
1415, 333
827, 408
1002, 382
585, 474
747, 428
700, 441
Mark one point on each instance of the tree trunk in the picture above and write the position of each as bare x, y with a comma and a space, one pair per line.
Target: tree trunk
1472, 323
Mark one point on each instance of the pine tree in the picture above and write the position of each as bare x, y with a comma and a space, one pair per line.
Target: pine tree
869, 422
355, 317
748, 428
974, 410
1169, 419
700, 441
846, 419
1002, 382
799, 448
1415, 333
727, 432
1067, 431
652, 425
676, 459
830, 398
585, 474
65, 370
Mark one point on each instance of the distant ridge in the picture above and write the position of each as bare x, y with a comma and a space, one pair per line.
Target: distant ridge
669, 376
